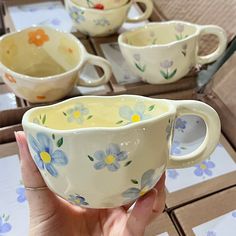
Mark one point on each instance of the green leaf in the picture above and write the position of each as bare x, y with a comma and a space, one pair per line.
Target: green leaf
7, 218
127, 163
177, 37
89, 117
151, 107
172, 74
90, 158
40, 117
119, 122
3, 215
64, 113
184, 53
44, 118
163, 74
154, 41
183, 148
142, 69
60, 142
53, 136
134, 181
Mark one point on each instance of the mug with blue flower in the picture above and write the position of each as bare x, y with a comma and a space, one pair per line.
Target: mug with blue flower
102, 152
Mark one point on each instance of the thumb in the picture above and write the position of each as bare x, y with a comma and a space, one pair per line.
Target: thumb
38, 198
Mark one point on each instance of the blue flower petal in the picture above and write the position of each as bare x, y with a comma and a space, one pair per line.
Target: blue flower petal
34, 144
59, 158
20, 190
21, 198
126, 112
99, 165
122, 156
113, 149
208, 172
99, 155
139, 108
51, 169
210, 164
38, 162
45, 142
147, 178
131, 193
198, 171
113, 167
6, 227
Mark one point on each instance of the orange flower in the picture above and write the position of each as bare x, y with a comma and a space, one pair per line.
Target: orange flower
38, 37
40, 97
10, 78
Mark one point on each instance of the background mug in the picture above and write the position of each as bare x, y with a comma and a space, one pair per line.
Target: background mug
41, 64
165, 52
85, 145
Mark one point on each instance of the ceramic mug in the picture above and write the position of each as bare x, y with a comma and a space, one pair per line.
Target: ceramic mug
41, 64
95, 22
101, 152
100, 4
165, 52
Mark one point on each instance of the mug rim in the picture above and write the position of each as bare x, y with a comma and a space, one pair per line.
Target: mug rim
25, 77
146, 26
30, 125
98, 11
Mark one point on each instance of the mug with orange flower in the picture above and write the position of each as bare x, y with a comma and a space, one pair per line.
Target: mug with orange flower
41, 64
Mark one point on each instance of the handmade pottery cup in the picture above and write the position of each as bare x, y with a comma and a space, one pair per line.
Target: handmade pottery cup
102, 152
165, 52
95, 22
100, 4
41, 64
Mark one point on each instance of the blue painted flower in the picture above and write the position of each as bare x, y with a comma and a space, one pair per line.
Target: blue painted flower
135, 114
210, 233
77, 200
204, 168
21, 194
180, 124
45, 157
55, 21
172, 173
4, 226
234, 214
175, 148
77, 113
101, 22
77, 14
110, 158
147, 182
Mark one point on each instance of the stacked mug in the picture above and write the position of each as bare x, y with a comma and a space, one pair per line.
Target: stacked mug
99, 18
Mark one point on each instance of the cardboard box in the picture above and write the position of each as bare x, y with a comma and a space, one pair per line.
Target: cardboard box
161, 226
16, 15
214, 215
219, 12
189, 184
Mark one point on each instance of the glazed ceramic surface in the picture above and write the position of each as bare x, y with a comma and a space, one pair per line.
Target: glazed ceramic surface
100, 4
94, 22
164, 52
104, 152
41, 64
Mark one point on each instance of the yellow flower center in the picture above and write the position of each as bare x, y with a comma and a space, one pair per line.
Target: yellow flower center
77, 201
46, 157
110, 159
135, 118
76, 114
143, 191
203, 166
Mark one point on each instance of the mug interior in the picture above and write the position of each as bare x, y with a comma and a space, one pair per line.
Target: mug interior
39, 52
159, 34
97, 112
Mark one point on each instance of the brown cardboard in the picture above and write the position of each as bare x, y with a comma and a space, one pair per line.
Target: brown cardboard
8, 149
7, 18
220, 94
219, 12
7, 133
204, 210
142, 88
205, 188
161, 225
186, 95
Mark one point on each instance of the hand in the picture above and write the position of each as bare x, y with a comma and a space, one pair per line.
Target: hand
50, 215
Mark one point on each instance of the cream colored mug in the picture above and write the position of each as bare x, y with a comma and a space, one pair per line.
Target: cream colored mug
102, 152
97, 23
41, 64
164, 52
100, 4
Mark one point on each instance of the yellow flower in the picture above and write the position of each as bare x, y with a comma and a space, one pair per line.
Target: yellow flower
38, 37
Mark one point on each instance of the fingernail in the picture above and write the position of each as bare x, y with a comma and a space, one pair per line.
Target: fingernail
155, 204
18, 141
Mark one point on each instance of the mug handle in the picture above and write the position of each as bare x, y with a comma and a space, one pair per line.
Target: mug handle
221, 34
147, 13
100, 62
212, 121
